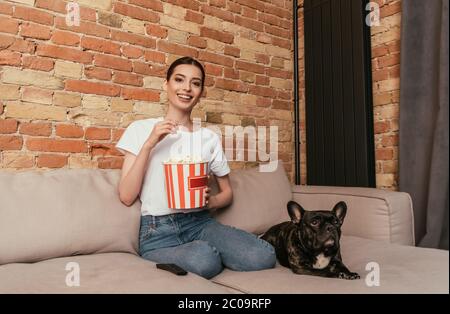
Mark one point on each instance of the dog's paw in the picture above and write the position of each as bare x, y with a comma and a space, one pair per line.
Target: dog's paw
349, 276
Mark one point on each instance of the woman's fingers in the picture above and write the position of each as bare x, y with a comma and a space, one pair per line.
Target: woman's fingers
166, 129
173, 126
166, 123
208, 197
170, 122
161, 130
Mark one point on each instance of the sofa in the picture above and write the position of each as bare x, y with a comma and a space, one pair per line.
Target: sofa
57, 225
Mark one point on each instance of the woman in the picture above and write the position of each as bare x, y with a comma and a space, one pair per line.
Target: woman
191, 239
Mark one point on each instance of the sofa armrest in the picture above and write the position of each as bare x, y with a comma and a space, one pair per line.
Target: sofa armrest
372, 213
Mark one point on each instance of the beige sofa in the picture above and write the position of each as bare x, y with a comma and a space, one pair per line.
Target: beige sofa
52, 219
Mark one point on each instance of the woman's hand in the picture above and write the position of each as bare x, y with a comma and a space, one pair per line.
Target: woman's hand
225, 195
160, 131
206, 195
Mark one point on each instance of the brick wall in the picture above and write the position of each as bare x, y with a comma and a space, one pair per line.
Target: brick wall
386, 93
68, 92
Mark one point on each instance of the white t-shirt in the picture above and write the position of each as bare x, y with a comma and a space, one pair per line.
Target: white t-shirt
202, 143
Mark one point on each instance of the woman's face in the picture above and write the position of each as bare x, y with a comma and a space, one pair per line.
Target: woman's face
184, 87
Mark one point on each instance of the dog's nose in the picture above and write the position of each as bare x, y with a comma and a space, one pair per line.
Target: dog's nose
329, 242
329, 228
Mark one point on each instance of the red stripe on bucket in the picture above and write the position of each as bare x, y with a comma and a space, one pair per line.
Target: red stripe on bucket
181, 185
192, 192
172, 197
202, 173
168, 187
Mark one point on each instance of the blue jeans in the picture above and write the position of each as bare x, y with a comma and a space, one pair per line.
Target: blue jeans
201, 245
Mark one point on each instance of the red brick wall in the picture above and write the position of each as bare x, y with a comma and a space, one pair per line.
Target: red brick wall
68, 92
386, 93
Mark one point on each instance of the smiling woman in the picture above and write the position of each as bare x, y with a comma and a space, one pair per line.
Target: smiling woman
188, 237
184, 86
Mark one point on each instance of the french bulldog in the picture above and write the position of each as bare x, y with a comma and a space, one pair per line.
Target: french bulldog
309, 243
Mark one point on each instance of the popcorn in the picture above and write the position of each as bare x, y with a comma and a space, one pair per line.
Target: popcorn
184, 160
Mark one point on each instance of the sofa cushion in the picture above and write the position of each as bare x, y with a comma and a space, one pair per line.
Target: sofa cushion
64, 212
372, 213
259, 199
100, 273
402, 269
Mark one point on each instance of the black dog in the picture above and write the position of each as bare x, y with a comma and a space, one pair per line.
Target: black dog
309, 244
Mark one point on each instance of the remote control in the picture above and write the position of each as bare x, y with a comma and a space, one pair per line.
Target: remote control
173, 268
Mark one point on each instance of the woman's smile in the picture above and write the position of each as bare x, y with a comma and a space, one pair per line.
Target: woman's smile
185, 97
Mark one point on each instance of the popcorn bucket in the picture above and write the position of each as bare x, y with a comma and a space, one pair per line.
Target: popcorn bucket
185, 184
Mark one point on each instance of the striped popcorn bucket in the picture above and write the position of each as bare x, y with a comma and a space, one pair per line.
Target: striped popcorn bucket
185, 184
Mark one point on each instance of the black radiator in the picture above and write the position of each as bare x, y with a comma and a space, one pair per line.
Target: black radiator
338, 85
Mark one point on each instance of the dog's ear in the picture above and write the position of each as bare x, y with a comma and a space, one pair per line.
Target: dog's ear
340, 210
295, 211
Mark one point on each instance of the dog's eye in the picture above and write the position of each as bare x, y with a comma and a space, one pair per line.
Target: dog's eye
336, 222
314, 222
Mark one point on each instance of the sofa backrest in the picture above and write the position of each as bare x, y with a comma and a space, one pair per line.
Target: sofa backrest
259, 199
57, 213
62, 213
